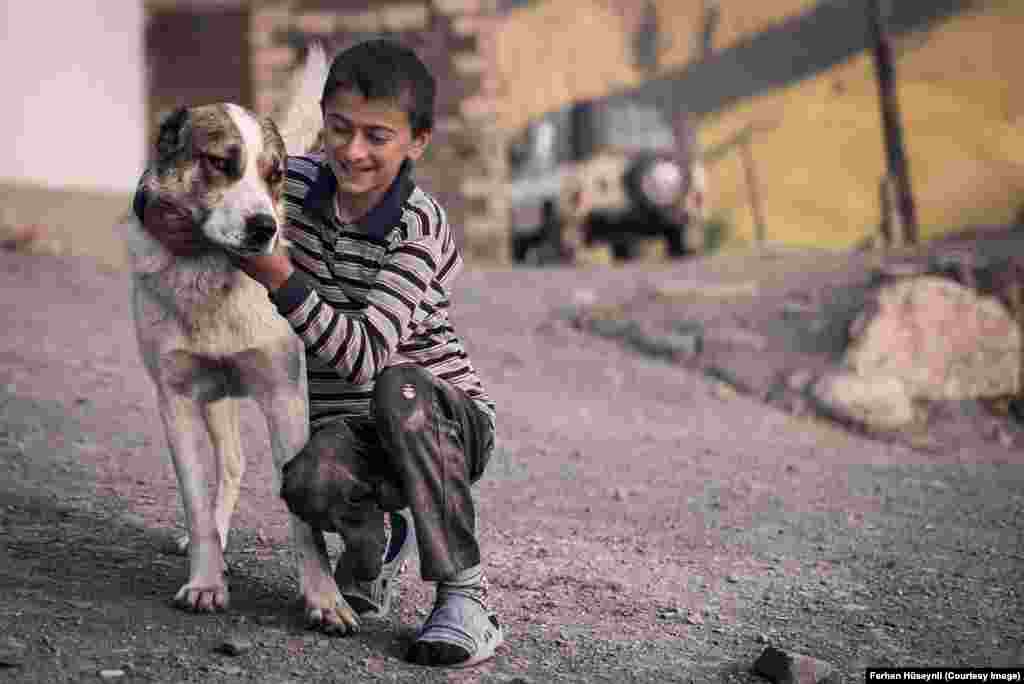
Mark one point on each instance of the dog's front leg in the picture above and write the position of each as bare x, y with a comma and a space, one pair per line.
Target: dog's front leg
278, 383
206, 590
326, 609
222, 424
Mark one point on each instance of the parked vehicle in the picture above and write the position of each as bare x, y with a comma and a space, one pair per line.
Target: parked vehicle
595, 173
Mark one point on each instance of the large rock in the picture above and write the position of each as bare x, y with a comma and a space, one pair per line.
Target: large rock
877, 402
941, 339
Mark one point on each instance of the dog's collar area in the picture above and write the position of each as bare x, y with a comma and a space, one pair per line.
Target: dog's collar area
377, 222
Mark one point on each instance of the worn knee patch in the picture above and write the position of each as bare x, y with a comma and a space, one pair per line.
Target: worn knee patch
318, 483
402, 395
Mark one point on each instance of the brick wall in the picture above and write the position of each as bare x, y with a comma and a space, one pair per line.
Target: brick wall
464, 166
195, 55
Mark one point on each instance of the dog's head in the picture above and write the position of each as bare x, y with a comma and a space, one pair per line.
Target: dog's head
225, 168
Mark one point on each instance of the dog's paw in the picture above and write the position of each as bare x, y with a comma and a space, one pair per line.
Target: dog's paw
332, 616
179, 547
202, 597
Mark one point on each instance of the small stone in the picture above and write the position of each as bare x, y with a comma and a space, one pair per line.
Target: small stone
799, 380
612, 327
782, 667
666, 344
737, 337
732, 579
723, 391
230, 670
111, 674
234, 646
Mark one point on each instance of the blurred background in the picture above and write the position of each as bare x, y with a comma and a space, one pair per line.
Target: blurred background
563, 125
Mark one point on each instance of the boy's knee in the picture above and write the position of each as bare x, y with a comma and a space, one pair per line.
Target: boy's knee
400, 396
317, 483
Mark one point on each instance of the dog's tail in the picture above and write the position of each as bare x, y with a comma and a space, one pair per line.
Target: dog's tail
301, 122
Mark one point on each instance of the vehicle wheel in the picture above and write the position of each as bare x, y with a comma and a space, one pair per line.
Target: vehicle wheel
623, 249
675, 239
519, 250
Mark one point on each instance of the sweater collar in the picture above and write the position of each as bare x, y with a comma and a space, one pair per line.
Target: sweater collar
377, 222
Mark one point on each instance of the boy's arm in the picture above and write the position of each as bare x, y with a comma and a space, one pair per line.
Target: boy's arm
357, 344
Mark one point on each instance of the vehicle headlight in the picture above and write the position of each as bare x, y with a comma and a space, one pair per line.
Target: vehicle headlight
662, 183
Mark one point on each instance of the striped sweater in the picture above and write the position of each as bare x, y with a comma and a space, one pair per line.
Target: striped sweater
368, 295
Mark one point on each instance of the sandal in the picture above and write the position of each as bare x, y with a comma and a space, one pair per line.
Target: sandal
460, 632
372, 598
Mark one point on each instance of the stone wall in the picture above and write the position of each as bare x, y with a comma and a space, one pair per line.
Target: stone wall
464, 166
195, 54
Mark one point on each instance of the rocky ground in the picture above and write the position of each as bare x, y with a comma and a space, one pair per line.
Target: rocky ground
648, 517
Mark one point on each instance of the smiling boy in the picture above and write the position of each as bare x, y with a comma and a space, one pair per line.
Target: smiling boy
400, 423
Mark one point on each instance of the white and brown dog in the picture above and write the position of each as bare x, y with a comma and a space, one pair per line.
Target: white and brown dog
209, 334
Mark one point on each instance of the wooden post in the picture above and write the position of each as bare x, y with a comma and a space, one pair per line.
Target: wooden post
891, 123
753, 191
709, 22
891, 222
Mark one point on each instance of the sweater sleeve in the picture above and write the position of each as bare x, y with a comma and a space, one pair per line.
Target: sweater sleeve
357, 344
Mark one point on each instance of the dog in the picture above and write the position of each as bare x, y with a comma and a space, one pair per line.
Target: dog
209, 335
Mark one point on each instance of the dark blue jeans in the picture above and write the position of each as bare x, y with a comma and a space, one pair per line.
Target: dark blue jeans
425, 443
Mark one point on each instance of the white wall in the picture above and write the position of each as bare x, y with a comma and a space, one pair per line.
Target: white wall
74, 112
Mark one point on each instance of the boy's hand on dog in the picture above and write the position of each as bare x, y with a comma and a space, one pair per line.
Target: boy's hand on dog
270, 270
173, 228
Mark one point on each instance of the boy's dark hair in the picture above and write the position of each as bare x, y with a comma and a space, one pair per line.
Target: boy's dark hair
384, 69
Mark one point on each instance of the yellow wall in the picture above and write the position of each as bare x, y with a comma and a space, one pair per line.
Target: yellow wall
553, 52
961, 92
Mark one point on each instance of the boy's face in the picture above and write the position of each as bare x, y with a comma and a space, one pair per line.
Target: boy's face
366, 142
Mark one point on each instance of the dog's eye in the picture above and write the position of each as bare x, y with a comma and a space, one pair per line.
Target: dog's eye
219, 163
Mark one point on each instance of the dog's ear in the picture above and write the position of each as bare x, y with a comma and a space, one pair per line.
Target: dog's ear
272, 136
171, 138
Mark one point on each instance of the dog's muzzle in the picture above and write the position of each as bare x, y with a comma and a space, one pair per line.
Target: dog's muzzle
260, 230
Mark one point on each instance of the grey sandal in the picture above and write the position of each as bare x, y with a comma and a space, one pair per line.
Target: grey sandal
372, 598
460, 632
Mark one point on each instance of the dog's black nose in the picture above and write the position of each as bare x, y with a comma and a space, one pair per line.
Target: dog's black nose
260, 229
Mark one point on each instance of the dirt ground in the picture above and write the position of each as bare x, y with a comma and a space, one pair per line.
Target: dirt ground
639, 523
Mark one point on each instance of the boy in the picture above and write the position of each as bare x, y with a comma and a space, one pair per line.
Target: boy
400, 423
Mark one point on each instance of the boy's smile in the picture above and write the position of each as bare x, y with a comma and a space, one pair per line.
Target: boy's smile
366, 142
